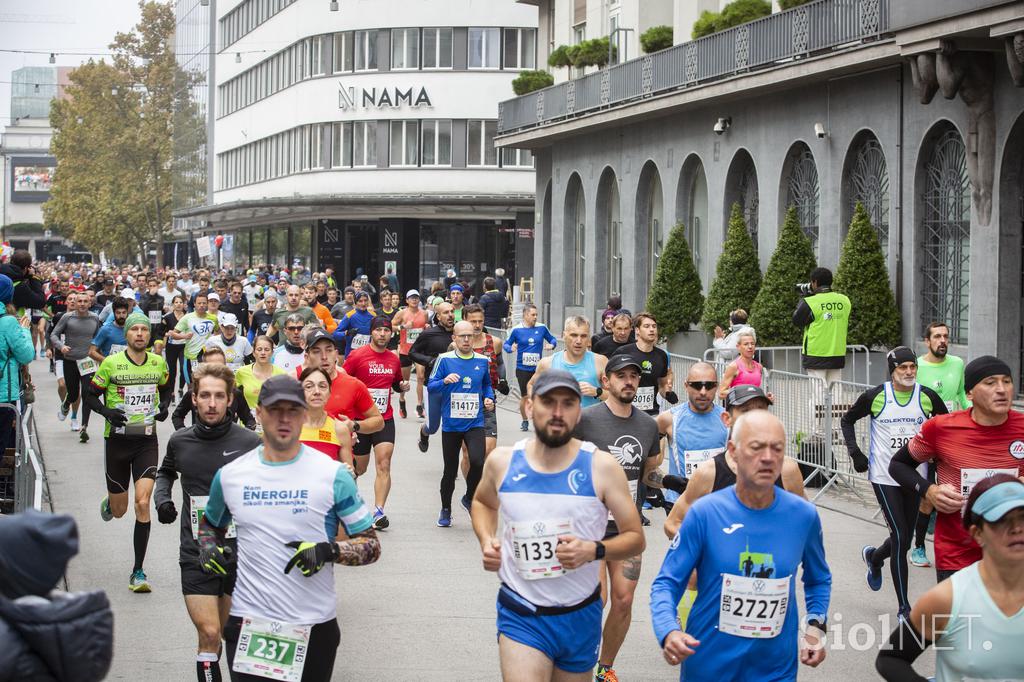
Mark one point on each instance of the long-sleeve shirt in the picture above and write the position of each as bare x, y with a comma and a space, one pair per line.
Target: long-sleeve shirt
77, 331
354, 329
462, 402
239, 411
742, 557
529, 343
429, 344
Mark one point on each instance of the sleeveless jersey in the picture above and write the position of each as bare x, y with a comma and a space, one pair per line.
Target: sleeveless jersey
891, 429
526, 495
487, 350
323, 438
748, 377
584, 370
408, 336
696, 438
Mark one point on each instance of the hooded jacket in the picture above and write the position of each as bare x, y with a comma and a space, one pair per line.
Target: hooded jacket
28, 291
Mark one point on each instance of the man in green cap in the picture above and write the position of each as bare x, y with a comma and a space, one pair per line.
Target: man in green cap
136, 394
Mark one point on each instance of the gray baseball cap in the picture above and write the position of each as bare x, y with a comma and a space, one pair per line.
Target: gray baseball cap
554, 379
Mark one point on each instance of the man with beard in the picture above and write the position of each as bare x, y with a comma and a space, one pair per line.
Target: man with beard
548, 555
617, 426
196, 454
263, 318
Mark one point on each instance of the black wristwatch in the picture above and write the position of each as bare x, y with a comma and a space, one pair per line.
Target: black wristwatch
355, 426
597, 394
598, 550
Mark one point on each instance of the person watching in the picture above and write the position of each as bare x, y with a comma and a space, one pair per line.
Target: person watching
728, 344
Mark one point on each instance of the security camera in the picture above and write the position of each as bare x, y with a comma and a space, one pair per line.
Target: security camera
819, 130
722, 124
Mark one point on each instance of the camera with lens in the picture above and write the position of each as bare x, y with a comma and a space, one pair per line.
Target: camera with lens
804, 288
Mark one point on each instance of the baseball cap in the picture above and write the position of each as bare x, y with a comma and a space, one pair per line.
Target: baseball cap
281, 388
107, 281
739, 395
411, 293
380, 321
317, 334
252, 278
127, 293
228, 320
213, 296
617, 362
554, 379
999, 500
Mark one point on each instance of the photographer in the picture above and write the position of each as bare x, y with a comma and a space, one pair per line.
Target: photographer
825, 316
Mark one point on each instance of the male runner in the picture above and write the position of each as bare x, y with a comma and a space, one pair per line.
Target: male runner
583, 364
745, 617
548, 555
238, 306
292, 508
238, 409
656, 377
622, 335
966, 446
528, 341
237, 349
196, 453
264, 317
897, 409
354, 328
456, 296
293, 306
434, 341
410, 322
290, 354
110, 337
462, 381
380, 370
484, 344
321, 312
618, 427
72, 336
195, 329
136, 394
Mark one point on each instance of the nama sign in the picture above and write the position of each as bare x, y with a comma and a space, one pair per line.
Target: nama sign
380, 98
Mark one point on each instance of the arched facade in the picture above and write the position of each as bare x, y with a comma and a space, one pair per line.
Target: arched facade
692, 211
866, 181
649, 225
800, 188
544, 285
1011, 246
608, 236
741, 188
575, 226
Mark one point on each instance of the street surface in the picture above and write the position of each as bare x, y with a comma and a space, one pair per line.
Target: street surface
425, 611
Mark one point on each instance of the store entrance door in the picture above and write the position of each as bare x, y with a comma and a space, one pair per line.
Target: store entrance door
362, 253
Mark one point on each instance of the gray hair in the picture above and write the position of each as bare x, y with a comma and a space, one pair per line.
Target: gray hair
577, 321
295, 318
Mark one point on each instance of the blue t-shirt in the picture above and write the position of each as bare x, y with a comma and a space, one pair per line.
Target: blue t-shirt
529, 342
356, 323
109, 335
696, 437
462, 403
721, 537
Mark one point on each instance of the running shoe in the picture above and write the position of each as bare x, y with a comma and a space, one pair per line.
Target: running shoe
465, 502
424, 442
419, 411
105, 512
83, 437
904, 614
62, 412
138, 582
644, 520
524, 426
919, 557
874, 575
380, 521
74, 424
445, 518
605, 674
401, 409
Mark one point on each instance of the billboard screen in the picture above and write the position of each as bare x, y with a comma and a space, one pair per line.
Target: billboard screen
33, 178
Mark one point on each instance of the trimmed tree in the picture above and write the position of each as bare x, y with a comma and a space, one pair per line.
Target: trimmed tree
675, 297
656, 38
792, 262
528, 81
737, 275
864, 278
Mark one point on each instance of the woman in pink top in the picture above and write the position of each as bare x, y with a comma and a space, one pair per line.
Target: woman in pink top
744, 370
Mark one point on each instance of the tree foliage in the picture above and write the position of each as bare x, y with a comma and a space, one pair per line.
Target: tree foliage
864, 278
735, 13
528, 81
675, 297
737, 275
592, 52
656, 38
790, 4
772, 313
559, 57
112, 140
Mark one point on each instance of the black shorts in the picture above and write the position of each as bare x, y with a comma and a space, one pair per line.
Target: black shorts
523, 376
129, 458
368, 440
194, 581
405, 360
491, 423
35, 319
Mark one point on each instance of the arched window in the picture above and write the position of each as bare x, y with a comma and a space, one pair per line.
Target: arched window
803, 191
946, 235
867, 183
649, 212
614, 228
741, 188
576, 236
692, 206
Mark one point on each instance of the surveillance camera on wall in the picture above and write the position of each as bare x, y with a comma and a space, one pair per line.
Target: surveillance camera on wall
819, 130
722, 124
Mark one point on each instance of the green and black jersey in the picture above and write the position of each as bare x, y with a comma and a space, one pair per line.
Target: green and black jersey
132, 388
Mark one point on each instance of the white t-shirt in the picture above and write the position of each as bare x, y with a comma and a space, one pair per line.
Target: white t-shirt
286, 360
234, 353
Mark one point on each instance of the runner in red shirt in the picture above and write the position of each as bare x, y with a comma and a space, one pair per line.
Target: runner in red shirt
966, 446
409, 322
381, 371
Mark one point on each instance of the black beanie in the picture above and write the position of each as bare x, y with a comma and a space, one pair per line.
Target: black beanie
985, 366
898, 355
36, 551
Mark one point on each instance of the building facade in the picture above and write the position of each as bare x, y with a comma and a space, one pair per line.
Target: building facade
912, 108
363, 139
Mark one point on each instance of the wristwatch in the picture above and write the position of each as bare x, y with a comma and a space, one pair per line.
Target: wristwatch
598, 550
355, 426
598, 392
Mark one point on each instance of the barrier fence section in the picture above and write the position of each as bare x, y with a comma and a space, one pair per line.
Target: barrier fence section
23, 488
788, 358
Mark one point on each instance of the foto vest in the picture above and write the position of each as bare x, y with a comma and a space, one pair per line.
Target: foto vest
826, 335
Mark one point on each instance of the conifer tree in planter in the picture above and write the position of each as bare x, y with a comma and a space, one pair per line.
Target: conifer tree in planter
863, 277
528, 81
737, 275
675, 298
792, 262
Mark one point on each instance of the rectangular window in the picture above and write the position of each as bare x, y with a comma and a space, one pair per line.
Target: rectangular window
520, 48
405, 145
484, 48
364, 143
405, 48
343, 52
437, 48
316, 53
341, 145
516, 158
365, 50
437, 143
481, 143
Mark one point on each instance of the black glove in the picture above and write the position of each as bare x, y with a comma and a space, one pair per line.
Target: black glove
162, 414
166, 513
671, 397
503, 387
116, 418
860, 461
310, 557
676, 484
216, 560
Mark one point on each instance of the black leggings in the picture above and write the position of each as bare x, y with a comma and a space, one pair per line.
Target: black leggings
451, 449
899, 506
175, 355
323, 648
75, 384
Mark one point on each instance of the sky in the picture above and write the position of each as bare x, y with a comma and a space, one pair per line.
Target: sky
57, 26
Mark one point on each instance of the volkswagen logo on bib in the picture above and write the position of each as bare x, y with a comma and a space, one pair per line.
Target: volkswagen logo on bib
538, 528
759, 586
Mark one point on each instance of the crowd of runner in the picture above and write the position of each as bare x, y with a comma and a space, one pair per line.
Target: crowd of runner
267, 368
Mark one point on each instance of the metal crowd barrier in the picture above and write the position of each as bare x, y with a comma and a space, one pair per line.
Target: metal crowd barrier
788, 358
22, 488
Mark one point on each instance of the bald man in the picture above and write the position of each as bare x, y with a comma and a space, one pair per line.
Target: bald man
293, 306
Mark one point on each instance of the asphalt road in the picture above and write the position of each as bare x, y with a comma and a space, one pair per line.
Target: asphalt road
425, 611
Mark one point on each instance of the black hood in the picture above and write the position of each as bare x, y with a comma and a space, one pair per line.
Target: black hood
13, 271
42, 545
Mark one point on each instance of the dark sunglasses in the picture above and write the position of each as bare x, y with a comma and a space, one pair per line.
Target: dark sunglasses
294, 329
702, 385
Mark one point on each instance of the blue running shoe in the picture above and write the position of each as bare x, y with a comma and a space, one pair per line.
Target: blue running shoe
138, 582
445, 519
380, 520
874, 575
918, 557
466, 502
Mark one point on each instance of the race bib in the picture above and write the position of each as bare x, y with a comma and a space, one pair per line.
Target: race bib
412, 334
381, 398
465, 405
155, 316
140, 400
117, 348
633, 485
753, 607
270, 649
531, 359
86, 366
693, 458
971, 477
360, 340
644, 398
533, 547
198, 505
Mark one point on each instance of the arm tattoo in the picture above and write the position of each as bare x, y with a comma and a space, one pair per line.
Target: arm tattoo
359, 550
631, 568
209, 535
653, 478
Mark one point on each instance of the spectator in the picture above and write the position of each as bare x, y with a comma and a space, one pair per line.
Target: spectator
495, 304
727, 343
391, 278
500, 283
16, 351
28, 289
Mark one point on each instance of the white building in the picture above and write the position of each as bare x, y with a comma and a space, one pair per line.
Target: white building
363, 137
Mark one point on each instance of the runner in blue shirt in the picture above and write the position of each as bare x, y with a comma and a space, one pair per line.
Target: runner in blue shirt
354, 327
528, 339
745, 623
110, 338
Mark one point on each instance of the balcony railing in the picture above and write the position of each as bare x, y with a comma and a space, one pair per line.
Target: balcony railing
815, 28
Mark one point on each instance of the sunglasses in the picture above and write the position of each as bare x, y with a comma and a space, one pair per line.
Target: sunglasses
294, 329
702, 385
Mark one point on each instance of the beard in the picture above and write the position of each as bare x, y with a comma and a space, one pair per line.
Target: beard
940, 351
552, 440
